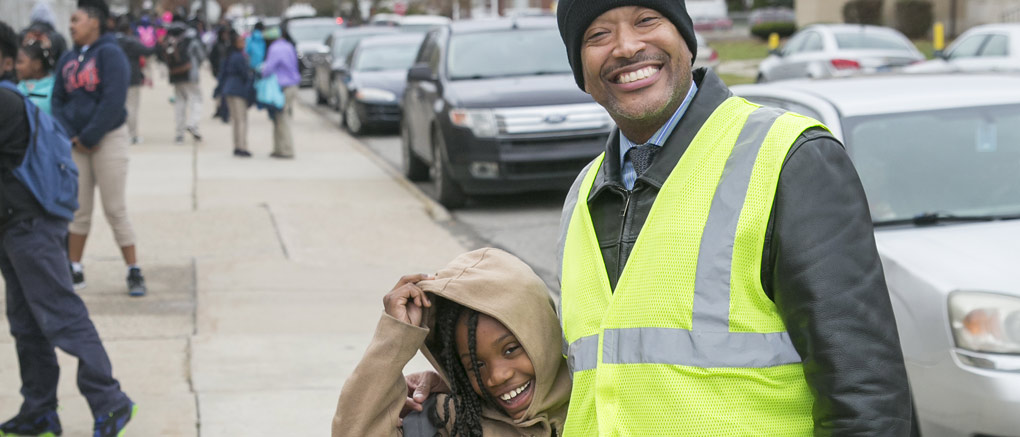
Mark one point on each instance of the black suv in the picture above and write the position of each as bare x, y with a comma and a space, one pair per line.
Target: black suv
491, 107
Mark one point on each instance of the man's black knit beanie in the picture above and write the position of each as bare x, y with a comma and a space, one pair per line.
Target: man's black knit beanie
574, 17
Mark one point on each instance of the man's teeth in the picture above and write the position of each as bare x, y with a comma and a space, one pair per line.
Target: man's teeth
513, 393
637, 75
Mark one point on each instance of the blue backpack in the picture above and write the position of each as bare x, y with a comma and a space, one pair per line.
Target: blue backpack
47, 170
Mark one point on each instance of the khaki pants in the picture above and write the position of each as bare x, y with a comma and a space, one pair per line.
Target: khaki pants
283, 141
187, 106
133, 100
106, 168
239, 120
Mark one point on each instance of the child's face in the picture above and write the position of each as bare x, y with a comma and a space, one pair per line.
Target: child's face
507, 372
27, 67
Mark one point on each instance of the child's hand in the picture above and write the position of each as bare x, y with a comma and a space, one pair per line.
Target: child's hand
406, 301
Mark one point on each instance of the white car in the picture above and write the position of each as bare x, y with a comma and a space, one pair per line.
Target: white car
939, 159
991, 47
836, 50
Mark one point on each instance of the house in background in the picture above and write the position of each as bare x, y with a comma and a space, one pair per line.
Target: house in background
957, 15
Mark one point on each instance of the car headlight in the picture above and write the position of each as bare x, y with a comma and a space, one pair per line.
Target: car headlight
985, 322
375, 95
482, 122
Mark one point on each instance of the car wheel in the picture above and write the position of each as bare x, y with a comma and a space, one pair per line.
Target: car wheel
414, 168
354, 124
448, 193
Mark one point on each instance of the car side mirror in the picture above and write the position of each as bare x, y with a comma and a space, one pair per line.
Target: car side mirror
777, 52
420, 72
941, 54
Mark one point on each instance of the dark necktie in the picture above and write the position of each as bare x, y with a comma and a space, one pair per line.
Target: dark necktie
641, 156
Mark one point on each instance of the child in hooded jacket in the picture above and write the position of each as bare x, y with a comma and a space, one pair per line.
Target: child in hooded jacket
489, 328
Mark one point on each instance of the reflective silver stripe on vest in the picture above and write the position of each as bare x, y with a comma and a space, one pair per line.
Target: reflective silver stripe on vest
583, 353
699, 349
711, 306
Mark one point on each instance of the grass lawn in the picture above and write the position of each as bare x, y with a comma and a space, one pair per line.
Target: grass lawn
926, 47
734, 79
738, 50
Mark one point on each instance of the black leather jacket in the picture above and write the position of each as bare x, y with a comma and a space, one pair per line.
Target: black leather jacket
820, 266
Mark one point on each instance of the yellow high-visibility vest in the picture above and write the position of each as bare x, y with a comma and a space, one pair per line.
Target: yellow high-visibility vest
689, 344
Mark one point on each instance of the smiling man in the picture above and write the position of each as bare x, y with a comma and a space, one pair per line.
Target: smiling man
719, 271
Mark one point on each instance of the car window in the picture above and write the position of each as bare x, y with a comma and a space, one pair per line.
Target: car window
996, 46
385, 57
794, 44
871, 40
502, 53
959, 161
812, 43
310, 32
968, 47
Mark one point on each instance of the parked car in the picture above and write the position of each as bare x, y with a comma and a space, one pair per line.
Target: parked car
338, 47
707, 56
371, 83
491, 107
421, 23
991, 47
833, 50
941, 171
709, 15
309, 34
771, 15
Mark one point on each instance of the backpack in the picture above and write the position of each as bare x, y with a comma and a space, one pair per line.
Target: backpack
177, 58
147, 35
47, 171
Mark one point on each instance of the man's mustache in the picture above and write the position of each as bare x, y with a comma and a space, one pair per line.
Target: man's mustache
637, 59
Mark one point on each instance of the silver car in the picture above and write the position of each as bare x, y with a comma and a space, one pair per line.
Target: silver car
835, 50
942, 174
987, 48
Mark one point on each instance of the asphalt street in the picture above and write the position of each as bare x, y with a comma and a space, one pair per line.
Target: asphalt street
526, 225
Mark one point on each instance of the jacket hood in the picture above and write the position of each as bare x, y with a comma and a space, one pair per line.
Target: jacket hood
43, 13
503, 287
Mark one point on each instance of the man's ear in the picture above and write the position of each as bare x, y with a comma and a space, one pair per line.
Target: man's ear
6, 64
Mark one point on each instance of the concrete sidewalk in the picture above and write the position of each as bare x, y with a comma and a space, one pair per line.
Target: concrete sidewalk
265, 277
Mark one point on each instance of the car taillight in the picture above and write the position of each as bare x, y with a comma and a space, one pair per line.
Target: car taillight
845, 64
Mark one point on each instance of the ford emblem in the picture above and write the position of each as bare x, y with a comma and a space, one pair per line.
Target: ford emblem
555, 118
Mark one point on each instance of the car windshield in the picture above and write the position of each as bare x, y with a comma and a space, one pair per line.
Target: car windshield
521, 52
386, 57
869, 40
311, 32
958, 162
345, 44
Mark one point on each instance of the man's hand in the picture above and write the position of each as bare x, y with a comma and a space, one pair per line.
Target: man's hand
406, 301
420, 386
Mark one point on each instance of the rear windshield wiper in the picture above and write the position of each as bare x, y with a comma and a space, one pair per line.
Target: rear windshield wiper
933, 218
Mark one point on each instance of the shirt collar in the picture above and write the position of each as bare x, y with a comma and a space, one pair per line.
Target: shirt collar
659, 138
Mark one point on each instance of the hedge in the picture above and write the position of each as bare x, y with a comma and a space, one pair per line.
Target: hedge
763, 30
863, 12
914, 18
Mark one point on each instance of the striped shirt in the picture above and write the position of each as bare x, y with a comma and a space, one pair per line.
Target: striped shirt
627, 172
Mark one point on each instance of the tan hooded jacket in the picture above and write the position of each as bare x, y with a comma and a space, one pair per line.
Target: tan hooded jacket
489, 281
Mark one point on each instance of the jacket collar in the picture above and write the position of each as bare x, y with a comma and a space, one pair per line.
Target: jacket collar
712, 92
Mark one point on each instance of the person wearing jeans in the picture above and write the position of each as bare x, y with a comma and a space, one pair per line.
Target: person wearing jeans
281, 60
89, 97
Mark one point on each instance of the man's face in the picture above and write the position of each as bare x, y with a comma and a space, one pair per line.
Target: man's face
635, 63
84, 28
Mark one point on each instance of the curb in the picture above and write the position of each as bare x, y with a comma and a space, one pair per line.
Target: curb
432, 208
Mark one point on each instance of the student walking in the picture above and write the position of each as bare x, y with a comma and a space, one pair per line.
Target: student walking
88, 99
183, 54
281, 60
135, 51
43, 310
235, 85
35, 64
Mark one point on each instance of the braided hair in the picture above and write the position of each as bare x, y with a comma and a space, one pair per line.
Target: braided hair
466, 403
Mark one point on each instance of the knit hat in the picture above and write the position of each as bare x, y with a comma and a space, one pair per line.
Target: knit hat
574, 17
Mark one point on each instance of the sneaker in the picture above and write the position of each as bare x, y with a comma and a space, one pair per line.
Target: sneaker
112, 424
45, 425
179, 139
280, 156
78, 278
136, 282
194, 133
242, 153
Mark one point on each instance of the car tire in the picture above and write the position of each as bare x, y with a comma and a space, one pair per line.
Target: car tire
413, 167
448, 192
353, 122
